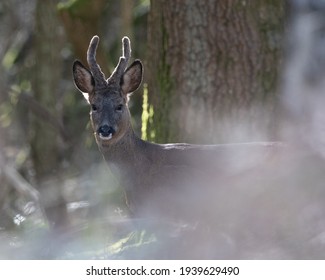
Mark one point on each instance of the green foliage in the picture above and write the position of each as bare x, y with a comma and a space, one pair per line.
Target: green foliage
142, 8
147, 117
77, 8
9, 58
5, 114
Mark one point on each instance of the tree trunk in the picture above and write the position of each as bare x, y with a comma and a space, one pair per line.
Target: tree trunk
45, 141
212, 65
45, 149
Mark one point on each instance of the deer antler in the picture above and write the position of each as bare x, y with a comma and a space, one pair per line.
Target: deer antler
98, 75
124, 60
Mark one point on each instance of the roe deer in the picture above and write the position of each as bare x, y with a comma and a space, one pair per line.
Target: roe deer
159, 179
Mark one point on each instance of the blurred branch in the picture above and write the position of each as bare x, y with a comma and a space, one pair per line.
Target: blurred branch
12, 176
44, 115
19, 183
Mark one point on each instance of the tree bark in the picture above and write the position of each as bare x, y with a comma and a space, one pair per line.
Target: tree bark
211, 65
46, 148
47, 72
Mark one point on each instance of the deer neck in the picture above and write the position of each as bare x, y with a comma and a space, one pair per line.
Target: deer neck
124, 152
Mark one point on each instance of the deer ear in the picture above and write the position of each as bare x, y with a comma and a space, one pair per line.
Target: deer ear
132, 77
83, 78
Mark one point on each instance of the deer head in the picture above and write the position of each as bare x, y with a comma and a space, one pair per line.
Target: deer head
108, 98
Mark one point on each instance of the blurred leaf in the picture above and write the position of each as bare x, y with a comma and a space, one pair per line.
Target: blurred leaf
9, 58
81, 8
5, 114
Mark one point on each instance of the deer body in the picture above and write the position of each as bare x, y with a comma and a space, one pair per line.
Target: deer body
156, 177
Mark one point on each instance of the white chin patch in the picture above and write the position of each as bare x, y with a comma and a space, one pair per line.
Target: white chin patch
105, 138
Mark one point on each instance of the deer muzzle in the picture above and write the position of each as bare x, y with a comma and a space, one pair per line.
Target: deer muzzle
105, 132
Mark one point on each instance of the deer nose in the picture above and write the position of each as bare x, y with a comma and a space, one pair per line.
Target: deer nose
106, 132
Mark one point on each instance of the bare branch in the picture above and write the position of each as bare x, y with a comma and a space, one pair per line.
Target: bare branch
19, 183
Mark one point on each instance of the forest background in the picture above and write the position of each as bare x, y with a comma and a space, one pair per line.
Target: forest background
215, 72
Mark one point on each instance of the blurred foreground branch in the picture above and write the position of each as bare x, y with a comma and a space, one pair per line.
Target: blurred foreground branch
11, 175
14, 179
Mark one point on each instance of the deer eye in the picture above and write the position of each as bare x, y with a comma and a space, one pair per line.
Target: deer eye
93, 107
119, 108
